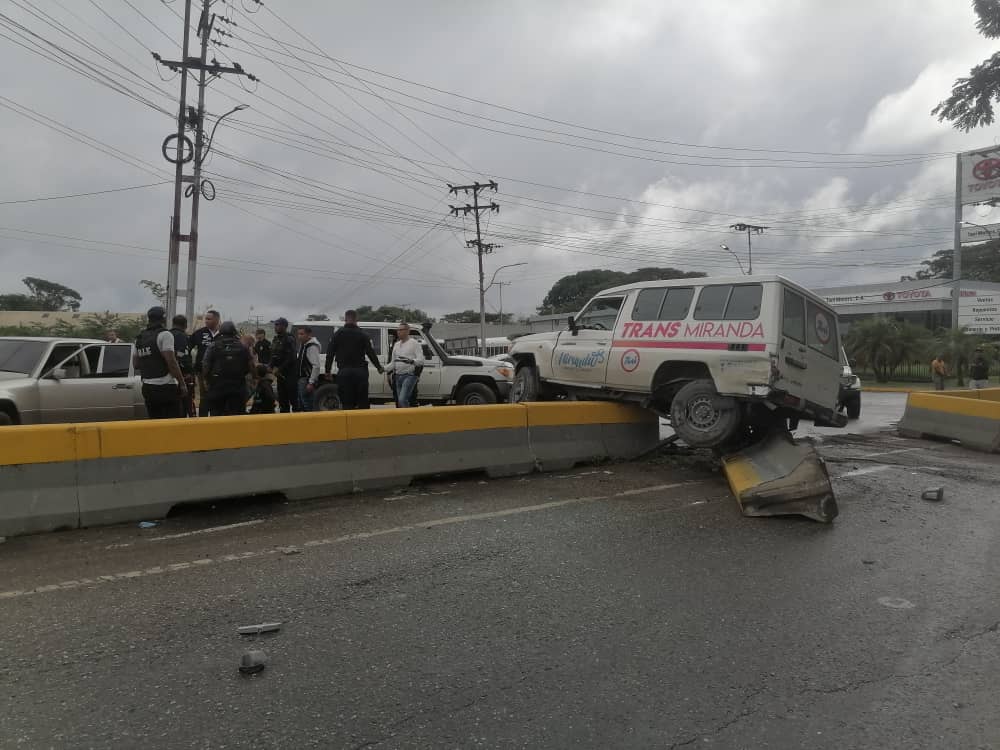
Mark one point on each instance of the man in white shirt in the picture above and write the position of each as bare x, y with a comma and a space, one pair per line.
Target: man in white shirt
309, 367
407, 359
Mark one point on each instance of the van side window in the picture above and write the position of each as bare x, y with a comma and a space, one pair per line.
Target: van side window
712, 302
793, 317
648, 304
744, 302
375, 334
601, 314
677, 303
821, 331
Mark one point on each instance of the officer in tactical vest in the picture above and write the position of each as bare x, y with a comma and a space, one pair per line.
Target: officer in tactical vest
182, 350
227, 364
283, 364
162, 380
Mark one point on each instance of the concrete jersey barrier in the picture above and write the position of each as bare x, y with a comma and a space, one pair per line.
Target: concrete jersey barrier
58, 476
971, 417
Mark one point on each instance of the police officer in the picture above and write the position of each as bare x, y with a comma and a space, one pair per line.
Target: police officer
227, 365
201, 341
162, 380
182, 347
349, 346
283, 363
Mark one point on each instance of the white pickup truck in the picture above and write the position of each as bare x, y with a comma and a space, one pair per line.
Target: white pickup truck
67, 380
724, 358
446, 378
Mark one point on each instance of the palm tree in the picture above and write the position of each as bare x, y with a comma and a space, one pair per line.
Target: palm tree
883, 344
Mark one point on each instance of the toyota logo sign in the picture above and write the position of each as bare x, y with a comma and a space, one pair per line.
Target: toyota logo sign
889, 296
987, 169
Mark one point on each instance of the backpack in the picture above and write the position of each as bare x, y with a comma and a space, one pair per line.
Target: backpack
229, 360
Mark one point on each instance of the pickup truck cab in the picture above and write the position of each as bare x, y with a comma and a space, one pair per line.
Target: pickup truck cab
720, 356
45, 380
446, 378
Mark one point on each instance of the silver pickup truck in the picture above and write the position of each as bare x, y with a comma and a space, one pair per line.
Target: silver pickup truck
45, 380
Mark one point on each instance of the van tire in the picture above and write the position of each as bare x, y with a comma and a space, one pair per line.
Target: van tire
327, 398
702, 418
475, 394
525, 386
5, 419
854, 408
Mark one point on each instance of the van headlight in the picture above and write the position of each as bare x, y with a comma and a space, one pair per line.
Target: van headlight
505, 372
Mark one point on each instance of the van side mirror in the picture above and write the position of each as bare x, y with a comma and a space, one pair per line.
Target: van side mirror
571, 322
59, 373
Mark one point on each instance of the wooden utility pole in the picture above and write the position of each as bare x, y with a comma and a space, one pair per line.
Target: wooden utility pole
482, 248
193, 186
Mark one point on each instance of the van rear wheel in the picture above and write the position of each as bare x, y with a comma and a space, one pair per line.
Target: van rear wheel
5, 419
327, 398
702, 418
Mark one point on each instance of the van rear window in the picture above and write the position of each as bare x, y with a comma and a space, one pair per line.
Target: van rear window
729, 302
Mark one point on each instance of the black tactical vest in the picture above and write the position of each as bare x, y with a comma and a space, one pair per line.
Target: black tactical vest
151, 362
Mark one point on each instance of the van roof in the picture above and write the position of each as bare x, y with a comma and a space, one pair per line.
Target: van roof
706, 280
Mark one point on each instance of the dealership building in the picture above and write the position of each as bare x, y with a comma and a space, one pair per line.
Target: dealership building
925, 303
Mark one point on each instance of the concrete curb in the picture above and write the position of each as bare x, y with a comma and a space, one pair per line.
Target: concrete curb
66, 476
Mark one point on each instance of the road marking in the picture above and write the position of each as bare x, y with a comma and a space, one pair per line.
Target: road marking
891, 453
210, 530
866, 470
434, 523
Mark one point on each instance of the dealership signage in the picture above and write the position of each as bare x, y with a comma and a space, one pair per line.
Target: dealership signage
972, 233
980, 178
980, 313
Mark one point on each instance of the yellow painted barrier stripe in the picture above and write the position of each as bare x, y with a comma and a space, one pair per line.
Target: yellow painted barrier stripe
41, 444
741, 475
554, 414
379, 423
969, 407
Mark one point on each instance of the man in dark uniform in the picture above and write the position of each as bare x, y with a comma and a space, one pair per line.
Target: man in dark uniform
201, 341
227, 365
182, 351
349, 345
283, 362
162, 380
262, 347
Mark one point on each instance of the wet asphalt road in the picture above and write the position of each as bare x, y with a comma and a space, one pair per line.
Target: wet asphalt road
626, 605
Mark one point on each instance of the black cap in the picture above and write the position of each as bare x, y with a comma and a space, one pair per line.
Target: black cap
280, 322
156, 313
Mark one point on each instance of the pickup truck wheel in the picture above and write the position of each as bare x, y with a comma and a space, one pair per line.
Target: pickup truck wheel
526, 386
326, 398
854, 408
475, 394
702, 418
5, 419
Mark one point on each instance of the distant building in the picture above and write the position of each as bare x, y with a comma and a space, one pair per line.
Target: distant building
27, 319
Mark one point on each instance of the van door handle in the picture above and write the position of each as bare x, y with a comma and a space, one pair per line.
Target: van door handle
122, 387
796, 363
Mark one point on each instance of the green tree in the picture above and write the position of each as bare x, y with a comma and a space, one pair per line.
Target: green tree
155, 288
882, 344
393, 313
979, 263
971, 102
52, 295
472, 316
19, 302
957, 348
571, 293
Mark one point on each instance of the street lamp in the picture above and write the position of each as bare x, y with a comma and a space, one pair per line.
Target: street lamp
738, 261
482, 305
211, 136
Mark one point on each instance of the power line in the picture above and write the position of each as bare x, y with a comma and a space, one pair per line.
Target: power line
84, 195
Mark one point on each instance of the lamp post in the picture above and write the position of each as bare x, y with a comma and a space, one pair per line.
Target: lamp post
211, 137
738, 261
493, 280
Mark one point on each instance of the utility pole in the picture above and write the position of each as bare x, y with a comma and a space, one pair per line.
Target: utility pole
481, 247
956, 258
749, 229
192, 185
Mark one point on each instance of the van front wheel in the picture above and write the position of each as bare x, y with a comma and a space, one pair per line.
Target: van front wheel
525, 386
702, 418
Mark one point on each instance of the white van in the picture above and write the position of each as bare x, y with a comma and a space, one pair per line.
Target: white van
721, 356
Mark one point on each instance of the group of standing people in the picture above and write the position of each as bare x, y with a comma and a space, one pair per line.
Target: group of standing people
979, 371
226, 368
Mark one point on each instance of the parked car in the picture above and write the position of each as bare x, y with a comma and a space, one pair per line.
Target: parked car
849, 398
445, 379
720, 357
46, 380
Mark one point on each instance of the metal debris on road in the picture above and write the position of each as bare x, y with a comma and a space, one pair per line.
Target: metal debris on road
290, 550
264, 627
148, 524
934, 494
252, 662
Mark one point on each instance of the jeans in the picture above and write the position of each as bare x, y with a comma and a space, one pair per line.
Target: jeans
162, 401
405, 383
352, 387
305, 397
976, 384
938, 382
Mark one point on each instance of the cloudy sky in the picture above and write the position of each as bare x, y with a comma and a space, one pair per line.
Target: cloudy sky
622, 134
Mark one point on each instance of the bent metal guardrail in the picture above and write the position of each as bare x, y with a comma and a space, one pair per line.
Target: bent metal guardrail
970, 417
67, 476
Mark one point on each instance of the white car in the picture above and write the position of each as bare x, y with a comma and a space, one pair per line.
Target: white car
445, 379
45, 380
722, 357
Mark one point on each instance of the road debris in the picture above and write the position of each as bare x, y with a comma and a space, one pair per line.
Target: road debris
252, 662
148, 524
933, 494
264, 627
